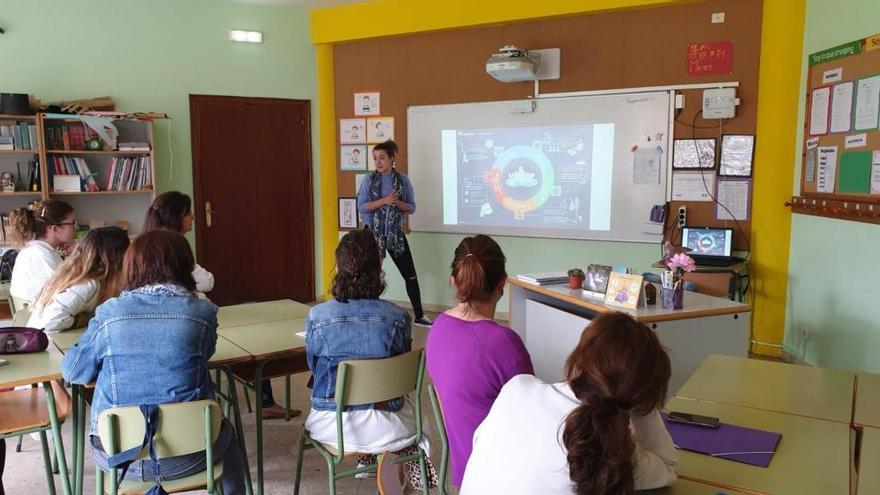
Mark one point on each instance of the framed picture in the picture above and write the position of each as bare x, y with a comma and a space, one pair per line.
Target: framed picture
353, 157
597, 278
348, 217
352, 131
366, 103
737, 155
380, 129
693, 153
623, 290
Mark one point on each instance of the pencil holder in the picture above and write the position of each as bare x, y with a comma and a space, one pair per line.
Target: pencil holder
672, 298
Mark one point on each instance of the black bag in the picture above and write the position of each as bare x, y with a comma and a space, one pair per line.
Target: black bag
7, 262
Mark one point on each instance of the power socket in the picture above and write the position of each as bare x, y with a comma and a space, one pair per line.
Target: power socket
682, 216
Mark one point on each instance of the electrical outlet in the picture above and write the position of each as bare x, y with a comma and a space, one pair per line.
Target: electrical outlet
682, 216
718, 18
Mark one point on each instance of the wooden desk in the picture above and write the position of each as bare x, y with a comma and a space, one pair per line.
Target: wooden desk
813, 456
67, 339
867, 411
688, 487
788, 388
261, 312
869, 472
551, 318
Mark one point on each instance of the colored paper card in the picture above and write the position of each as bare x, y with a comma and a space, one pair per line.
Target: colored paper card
855, 141
872, 42
713, 57
623, 290
867, 103
353, 157
366, 103
855, 172
819, 106
836, 52
352, 131
826, 172
833, 75
812, 143
875, 173
693, 186
380, 129
733, 200
731, 442
841, 107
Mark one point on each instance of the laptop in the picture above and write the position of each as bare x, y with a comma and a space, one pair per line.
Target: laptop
709, 246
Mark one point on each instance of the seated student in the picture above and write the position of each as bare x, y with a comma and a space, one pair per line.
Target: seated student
356, 324
469, 356
43, 228
151, 345
91, 275
597, 433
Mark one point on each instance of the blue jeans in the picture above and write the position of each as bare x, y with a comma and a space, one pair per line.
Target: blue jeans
172, 468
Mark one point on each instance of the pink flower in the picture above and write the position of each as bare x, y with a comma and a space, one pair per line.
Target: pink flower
681, 261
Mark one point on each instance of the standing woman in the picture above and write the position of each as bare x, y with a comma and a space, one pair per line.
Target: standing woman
44, 228
384, 198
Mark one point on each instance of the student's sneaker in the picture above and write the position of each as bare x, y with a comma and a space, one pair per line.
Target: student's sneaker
423, 321
366, 460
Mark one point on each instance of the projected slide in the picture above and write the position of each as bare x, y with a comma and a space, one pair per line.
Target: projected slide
528, 176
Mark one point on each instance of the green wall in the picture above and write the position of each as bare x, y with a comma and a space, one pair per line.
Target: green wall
834, 271
151, 55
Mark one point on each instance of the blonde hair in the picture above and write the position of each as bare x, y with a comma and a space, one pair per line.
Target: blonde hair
97, 257
34, 220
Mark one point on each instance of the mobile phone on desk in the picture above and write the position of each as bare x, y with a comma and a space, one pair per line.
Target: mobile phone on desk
693, 419
3, 362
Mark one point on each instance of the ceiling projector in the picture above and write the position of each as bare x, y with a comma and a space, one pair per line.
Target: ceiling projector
512, 64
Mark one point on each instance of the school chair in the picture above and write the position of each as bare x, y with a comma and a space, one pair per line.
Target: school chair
388, 475
366, 382
184, 428
18, 308
25, 411
441, 432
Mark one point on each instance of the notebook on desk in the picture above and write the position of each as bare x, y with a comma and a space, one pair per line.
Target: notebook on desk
709, 246
735, 443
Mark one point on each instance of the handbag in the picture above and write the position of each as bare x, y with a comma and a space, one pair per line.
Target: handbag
19, 340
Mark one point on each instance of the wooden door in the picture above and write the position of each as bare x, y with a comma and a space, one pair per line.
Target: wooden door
252, 164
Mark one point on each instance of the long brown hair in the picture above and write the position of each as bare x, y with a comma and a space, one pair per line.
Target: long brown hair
97, 257
33, 221
167, 212
477, 268
358, 267
159, 257
618, 368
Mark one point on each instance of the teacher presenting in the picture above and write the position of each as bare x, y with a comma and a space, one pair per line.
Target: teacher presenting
384, 198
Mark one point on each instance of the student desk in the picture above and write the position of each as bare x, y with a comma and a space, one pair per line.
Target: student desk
867, 411
688, 487
261, 312
787, 388
813, 455
550, 320
40, 367
869, 474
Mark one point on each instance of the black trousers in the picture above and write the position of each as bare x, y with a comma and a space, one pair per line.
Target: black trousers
407, 269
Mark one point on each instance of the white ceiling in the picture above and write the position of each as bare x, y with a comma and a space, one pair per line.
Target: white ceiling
311, 4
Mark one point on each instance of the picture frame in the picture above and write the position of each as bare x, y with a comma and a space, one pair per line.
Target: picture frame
352, 131
348, 216
380, 129
624, 290
737, 155
366, 103
685, 156
596, 279
353, 157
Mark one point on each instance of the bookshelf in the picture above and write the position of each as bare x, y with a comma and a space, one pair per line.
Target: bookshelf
50, 152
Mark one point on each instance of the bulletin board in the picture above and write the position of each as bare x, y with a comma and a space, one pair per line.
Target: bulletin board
840, 168
627, 48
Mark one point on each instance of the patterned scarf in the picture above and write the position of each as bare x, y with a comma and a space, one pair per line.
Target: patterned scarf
387, 221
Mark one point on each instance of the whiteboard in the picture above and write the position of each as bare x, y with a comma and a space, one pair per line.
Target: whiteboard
626, 160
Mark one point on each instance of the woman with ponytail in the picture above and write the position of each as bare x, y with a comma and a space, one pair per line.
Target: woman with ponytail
469, 356
597, 433
42, 230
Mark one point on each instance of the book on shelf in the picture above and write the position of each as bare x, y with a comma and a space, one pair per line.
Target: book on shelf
6, 143
130, 174
65, 165
68, 136
135, 146
22, 134
544, 278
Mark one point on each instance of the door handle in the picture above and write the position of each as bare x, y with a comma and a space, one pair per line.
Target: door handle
209, 212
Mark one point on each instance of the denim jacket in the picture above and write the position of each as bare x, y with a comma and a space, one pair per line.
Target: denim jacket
147, 346
357, 329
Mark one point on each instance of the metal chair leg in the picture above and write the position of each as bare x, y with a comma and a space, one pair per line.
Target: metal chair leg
247, 399
47, 462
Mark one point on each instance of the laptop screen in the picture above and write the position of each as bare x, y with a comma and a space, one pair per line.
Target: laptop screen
707, 241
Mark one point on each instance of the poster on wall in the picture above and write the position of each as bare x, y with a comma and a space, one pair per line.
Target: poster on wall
352, 131
348, 218
366, 103
380, 129
710, 58
353, 157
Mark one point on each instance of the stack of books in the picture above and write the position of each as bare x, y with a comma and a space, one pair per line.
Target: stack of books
21, 135
135, 146
546, 278
130, 174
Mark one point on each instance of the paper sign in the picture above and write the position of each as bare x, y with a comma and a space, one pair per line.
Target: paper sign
366, 103
693, 186
875, 173
836, 52
855, 172
352, 131
819, 111
872, 42
352, 157
733, 199
812, 143
841, 107
827, 169
623, 290
380, 129
646, 166
867, 103
833, 75
810, 166
856, 141
714, 57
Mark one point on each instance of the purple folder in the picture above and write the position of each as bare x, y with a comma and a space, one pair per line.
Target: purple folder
736, 443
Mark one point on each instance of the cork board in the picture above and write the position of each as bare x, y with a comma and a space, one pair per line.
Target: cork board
849, 63
611, 50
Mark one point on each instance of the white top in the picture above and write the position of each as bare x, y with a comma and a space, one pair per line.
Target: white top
35, 263
204, 279
536, 411
367, 431
61, 312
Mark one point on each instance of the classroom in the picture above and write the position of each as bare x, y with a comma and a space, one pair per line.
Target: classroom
409, 246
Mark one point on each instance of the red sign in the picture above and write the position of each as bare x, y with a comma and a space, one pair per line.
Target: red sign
713, 57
